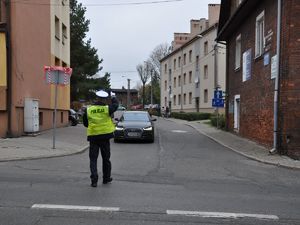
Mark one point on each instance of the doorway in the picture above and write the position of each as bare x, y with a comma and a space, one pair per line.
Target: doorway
237, 107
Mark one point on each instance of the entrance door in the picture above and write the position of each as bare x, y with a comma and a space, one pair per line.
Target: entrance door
237, 112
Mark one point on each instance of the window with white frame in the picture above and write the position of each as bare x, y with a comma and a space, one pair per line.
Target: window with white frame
57, 28
259, 34
238, 51
238, 2
174, 64
205, 96
190, 98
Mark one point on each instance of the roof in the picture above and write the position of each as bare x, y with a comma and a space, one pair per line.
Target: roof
228, 23
190, 41
124, 90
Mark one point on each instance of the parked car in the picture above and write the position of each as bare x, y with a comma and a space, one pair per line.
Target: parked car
134, 125
73, 117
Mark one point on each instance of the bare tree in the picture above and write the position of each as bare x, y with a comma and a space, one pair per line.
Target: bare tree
156, 55
144, 75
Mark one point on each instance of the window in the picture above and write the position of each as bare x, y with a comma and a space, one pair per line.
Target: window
179, 61
179, 81
64, 64
64, 33
179, 99
184, 79
57, 61
238, 2
197, 63
205, 96
166, 68
165, 85
190, 56
184, 99
165, 101
190, 77
205, 72
170, 75
184, 59
61, 117
205, 48
174, 82
174, 64
259, 34
174, 100
57, 33
190, 98
238, 52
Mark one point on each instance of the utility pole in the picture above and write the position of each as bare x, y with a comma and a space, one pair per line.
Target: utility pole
128, 94
151, 86
216, 77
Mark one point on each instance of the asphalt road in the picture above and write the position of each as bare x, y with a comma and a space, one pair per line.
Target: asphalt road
181, 173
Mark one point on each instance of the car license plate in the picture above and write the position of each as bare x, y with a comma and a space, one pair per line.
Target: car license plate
133, 134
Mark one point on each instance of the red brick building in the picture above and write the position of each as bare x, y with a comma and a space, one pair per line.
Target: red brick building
121, 95
249, 28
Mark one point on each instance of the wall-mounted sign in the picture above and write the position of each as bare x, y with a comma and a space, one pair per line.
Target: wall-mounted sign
274, 67
247, 62
267, 59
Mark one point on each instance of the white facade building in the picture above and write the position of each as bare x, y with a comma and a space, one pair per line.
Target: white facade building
191, 72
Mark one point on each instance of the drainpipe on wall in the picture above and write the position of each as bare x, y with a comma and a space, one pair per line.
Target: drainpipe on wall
9, 68
276, 90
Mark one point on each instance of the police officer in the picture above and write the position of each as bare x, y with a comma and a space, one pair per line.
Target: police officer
100, 128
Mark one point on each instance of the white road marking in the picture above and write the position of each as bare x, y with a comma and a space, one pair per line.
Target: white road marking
75, 208
179, 131
222, 214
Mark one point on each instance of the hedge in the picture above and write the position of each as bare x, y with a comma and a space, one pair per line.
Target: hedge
214, 118
190, 116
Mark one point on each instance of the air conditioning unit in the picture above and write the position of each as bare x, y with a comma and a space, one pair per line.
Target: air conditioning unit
31, 115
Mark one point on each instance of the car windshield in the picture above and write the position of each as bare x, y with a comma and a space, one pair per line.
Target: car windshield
135, 117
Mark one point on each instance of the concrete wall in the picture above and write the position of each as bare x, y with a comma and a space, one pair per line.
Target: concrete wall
32, 49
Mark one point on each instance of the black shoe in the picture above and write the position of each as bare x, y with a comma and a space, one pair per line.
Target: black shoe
94, 184
106, 181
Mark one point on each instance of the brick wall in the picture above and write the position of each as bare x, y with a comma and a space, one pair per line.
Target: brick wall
290, 79
256, 94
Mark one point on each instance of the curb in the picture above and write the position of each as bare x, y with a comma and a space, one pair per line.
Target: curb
81, 150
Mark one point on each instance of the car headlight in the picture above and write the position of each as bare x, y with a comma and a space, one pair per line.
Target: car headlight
148, 128
119, 128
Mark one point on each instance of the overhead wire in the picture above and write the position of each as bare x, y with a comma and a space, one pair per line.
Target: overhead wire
26, 2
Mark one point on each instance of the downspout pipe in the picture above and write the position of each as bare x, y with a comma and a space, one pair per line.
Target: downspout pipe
9, 68
276, 90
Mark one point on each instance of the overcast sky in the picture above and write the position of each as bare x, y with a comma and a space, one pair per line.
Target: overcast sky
125, 35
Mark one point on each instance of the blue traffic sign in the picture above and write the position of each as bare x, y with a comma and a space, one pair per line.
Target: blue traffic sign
218, 94
218, 102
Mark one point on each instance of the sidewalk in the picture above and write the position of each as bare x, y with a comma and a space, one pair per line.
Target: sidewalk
69, 140
240, 145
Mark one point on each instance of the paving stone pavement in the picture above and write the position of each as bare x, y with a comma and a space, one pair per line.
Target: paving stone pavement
69, 140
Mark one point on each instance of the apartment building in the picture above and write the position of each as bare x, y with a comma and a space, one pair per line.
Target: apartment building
190, 73
37, 34
263, 71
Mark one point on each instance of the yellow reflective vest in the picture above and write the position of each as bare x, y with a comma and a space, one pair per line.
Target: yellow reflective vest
99, 120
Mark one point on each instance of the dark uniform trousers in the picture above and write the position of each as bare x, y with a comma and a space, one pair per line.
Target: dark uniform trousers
104, 146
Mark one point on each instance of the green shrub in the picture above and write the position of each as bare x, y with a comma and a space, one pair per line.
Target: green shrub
190, 116
214, 118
